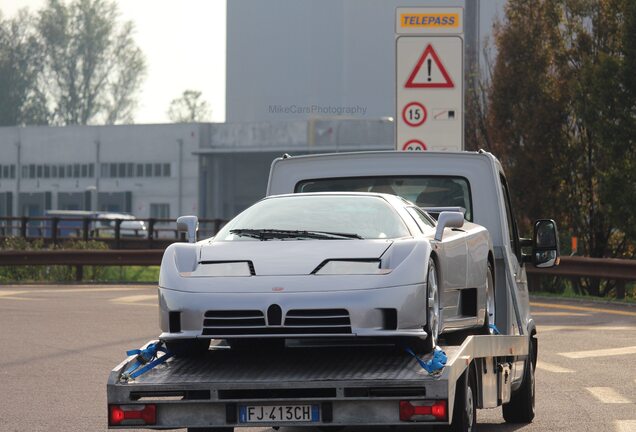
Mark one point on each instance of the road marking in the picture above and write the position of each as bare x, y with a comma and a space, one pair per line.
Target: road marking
608, 395
600, 353
552, 367
582, 308
136, 300
625, 425
559, 314
8, 293
549, 328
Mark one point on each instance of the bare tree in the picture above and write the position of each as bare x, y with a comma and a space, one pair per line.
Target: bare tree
93, 67
189, 107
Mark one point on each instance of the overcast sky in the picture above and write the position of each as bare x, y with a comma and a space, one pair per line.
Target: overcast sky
184, 44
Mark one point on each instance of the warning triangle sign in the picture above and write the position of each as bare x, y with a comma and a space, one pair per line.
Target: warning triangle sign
429, 72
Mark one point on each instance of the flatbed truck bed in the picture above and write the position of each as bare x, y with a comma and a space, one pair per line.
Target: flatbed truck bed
354, 386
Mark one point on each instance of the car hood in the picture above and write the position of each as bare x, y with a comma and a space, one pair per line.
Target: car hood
291, 257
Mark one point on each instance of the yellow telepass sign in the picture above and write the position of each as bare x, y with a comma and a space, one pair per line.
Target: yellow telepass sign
429, 20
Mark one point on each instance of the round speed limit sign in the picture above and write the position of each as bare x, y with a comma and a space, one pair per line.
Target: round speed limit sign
414, 114
414, 145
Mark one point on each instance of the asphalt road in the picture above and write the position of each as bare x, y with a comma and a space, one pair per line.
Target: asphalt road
58, 344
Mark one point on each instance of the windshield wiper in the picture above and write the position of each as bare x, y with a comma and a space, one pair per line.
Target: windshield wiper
267, 234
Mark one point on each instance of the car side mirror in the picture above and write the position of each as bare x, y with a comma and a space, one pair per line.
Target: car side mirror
545, 244
448, 219
189, 224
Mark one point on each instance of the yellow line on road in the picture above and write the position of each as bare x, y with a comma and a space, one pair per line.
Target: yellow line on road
8, 293
582, 308
625, 425
608, 395
552, 367
559, 314
600, 353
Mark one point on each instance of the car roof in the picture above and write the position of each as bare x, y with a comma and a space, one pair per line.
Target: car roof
393, 199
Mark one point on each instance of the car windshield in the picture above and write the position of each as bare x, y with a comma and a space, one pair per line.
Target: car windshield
424, 191
327, 217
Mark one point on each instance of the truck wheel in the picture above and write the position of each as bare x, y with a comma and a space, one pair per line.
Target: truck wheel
188, 347
465, 410
433, 316
520, 409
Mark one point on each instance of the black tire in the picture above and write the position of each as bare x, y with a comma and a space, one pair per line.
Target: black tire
521, 408
465, 408
432, 329
188, 347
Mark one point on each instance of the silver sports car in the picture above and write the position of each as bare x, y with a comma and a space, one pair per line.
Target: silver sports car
329, 265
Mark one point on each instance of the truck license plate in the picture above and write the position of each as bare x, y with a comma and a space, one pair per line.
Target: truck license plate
278, 413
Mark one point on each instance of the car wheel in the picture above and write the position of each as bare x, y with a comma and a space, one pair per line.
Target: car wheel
465, 409
433, 315
188, 347
489, 317
520, 409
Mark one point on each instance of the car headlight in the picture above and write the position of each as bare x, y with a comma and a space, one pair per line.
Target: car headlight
221, 268
350, 267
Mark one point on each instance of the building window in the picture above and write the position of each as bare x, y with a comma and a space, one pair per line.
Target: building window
166, 170
5, 172
113, 170
53, 171
31, 171
39, 171
76, 170
103, 170
91, 170
12, 171
160, 211
69, 171
84, 169
47, 171
157, 170
121, 170
140, 170
148, 170
130, 170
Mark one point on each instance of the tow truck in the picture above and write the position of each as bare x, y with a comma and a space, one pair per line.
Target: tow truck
332, 386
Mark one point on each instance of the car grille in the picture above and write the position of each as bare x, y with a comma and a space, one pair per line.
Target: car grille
297, 322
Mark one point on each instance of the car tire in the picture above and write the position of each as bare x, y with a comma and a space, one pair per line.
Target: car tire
433, 316
465, 408
490, 302
188, 347
521, 408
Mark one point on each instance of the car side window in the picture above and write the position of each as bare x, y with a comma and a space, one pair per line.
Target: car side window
424, 222
510, 220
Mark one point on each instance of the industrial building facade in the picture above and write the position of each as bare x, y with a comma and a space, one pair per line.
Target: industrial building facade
213, 170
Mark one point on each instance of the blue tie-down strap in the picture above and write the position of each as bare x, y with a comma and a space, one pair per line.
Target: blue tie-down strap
146, 359
494, 329
435, 364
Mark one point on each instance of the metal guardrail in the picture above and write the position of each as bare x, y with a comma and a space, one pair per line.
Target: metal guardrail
621, 270
117, 233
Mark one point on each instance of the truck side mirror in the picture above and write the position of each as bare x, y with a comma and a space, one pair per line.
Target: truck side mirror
545, 244
189, 224
448, 219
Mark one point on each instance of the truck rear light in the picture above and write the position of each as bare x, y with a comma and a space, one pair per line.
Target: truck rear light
422, 410
121, 415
